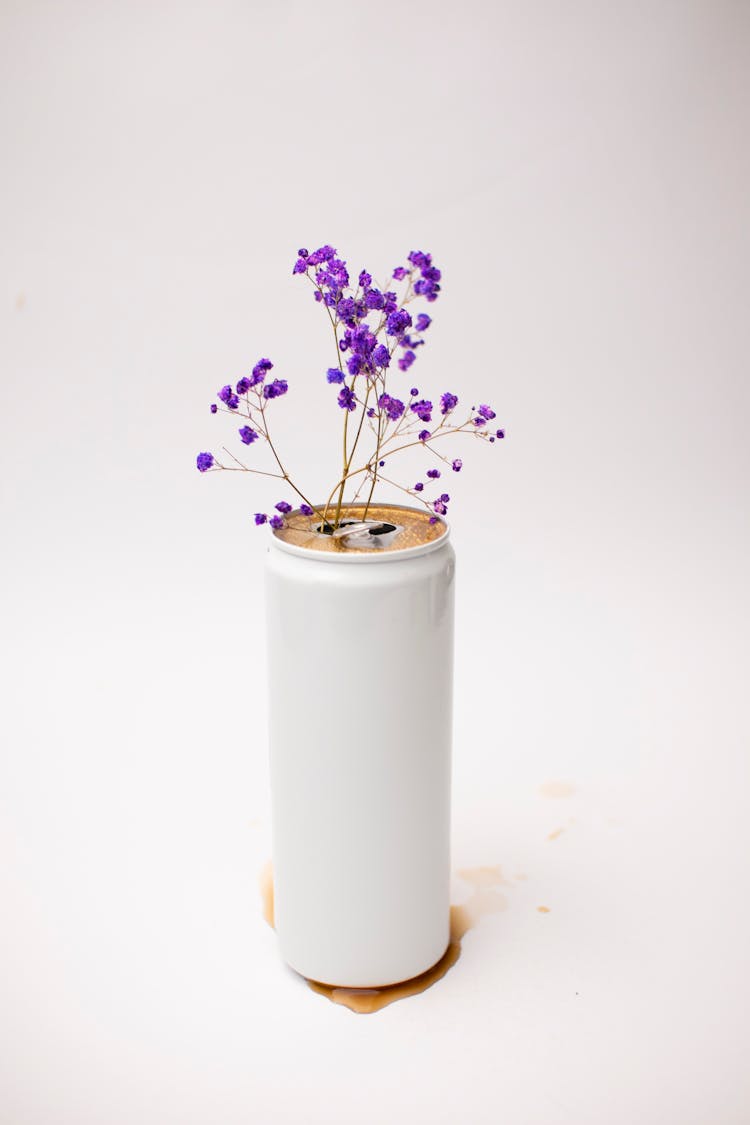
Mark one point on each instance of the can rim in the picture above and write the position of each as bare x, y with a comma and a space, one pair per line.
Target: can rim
364, 556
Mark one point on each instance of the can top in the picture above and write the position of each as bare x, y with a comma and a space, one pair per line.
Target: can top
390, 532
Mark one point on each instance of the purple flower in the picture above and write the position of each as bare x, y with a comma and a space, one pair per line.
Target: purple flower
300, 266
204, 461
333, 375
259, 371
371, 412
303, 253
381, 463
243, 386
347, 399
374, 299
406, 360
276, 388
448, 402
365, 279
283, 507
400, 273
414, 391
428, 289
433, 519
347, 309
305, 509
424, 435
440, 507
419, 259
381, 357
397, 322
390, 303
276, 522
324, 254
427, 286
260, 517
433, 474
423, 322
363, 340
457, 465
500, 433
393, 407
247, 435
228, 397
418, 487
445, 498
354, 364
486, 412
214, 408
423, 410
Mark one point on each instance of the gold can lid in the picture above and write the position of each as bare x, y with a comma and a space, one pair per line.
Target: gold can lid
388, 528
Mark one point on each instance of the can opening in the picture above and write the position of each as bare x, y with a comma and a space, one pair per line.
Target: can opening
366, 535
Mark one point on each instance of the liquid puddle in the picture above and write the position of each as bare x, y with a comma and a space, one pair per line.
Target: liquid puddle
556, 789
486, 899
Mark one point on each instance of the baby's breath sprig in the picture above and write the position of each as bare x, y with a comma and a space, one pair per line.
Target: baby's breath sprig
374, 333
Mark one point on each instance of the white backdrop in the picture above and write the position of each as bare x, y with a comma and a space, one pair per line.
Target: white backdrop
581, 175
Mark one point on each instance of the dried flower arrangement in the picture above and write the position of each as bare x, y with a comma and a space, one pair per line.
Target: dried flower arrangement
374, 332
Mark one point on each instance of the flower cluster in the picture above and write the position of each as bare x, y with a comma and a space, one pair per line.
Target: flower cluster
377, 342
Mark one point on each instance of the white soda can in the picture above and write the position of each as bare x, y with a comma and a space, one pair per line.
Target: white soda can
360, 669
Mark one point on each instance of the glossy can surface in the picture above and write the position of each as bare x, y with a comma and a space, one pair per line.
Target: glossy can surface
360, 654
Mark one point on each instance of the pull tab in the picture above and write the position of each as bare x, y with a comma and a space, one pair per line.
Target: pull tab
358, 528
370, 535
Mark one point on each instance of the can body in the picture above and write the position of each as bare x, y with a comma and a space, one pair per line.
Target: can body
360, 663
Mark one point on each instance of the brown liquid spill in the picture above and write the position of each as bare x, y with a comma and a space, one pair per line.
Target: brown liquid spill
417, 529
483, 876
266, 893
556, 789
485, 900
543, 909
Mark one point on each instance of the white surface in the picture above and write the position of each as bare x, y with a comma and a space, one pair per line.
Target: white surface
581, 175
360, 794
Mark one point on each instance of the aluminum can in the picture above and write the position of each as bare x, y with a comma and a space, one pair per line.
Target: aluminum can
360, 673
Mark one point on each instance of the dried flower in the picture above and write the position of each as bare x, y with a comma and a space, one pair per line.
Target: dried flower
347, 399
422, 409
375, 333
276, 388
262, 367
392, 407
